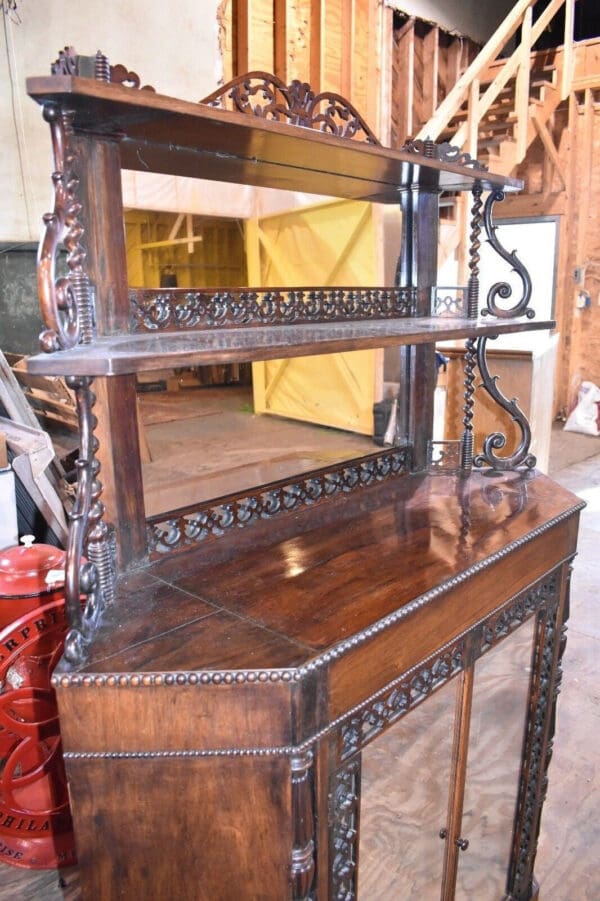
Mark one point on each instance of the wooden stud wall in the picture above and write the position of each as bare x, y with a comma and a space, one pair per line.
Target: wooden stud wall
218, 260
575, 133
426, 63
335, 45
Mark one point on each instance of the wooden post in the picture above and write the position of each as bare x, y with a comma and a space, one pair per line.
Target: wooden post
99, 171
473, 118
417, 267
568, 59
522, 87
458, 778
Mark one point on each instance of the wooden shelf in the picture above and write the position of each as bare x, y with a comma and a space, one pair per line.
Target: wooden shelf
246, 604
162, 134
122, 354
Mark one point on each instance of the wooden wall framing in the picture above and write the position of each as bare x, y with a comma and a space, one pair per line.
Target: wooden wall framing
335, 45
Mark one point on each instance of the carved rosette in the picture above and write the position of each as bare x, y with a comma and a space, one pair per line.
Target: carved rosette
66, 301
496, 440
268, 97
92, 580
503, 290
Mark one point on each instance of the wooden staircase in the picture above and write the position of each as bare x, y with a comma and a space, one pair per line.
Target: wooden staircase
499, 104
504, 101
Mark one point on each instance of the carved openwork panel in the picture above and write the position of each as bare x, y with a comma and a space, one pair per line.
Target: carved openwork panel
444, 151
444, 456
66, 300
397, 701
268, 97
160, 310
546, 677
69, 62
449, 301
215, 520
344, 815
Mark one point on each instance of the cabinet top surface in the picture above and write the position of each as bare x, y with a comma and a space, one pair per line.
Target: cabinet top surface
291, 593
162, 134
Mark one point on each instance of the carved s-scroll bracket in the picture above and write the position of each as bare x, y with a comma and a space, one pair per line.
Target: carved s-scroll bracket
303, 850
66, 301
503, 290
91, 580
496, 440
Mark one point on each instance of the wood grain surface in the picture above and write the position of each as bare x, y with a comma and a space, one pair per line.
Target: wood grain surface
124, 353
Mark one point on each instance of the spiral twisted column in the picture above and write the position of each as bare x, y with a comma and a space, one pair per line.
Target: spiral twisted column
474, 257
466, 459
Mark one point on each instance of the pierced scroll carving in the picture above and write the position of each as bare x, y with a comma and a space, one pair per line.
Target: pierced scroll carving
268, 97
69, 62
344, 816
449, 301
240, 510
496, 440
66, 301
505, 621
93, 579
546, 677
303, 850
397, 702
444, 152
160, 310
503, 290
444, 456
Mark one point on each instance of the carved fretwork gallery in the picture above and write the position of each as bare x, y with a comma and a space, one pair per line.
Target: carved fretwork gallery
228, 664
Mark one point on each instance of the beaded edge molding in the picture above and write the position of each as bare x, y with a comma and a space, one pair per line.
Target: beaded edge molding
488, 641
230, 677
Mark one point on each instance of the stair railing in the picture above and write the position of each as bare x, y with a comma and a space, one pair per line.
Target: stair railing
517, 65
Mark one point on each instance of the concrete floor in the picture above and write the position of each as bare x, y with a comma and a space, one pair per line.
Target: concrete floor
567, 866
221, 446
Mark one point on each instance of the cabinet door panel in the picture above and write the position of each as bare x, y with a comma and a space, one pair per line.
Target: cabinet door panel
404, 797
495, 748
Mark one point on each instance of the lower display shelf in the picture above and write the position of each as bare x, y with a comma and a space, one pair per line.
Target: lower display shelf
122, 354
229, 693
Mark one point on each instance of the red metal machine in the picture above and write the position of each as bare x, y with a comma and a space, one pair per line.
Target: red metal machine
35, 820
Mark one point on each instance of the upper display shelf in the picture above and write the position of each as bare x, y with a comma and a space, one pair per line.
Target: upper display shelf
334, 154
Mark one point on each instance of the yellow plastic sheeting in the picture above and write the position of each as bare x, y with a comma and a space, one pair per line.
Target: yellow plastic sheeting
331, 245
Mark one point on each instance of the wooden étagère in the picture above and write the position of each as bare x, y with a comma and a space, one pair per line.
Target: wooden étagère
234, 660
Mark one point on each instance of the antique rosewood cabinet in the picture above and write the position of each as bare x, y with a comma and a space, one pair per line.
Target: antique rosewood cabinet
234, 660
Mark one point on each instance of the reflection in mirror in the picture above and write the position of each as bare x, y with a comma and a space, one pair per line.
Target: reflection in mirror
211, 431
494, 758
404, 797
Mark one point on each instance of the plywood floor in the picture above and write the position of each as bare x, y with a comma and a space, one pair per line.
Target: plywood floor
569, 850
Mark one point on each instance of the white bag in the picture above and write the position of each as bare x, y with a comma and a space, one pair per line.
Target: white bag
585, 417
